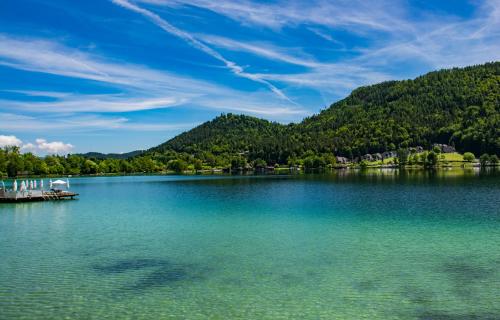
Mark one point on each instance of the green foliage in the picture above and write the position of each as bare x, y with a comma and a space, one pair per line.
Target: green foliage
494, 159
432, 158
198, 164
259, 163
458, 107
177, 165
484, 159
13, 163
238, 162
403, 156
469, 157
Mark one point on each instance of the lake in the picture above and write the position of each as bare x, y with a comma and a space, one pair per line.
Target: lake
364, 245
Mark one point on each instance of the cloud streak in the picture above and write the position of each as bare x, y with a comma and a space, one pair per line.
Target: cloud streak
90, 123
380, 15
195, 43
143, 88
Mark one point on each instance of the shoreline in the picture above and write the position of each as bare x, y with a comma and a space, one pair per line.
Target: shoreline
275, 171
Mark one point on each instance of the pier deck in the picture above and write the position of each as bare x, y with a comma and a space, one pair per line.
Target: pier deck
36, 196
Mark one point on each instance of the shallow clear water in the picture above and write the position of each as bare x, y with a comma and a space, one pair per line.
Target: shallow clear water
341, 246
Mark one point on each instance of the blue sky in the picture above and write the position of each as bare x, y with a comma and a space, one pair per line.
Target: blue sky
115, 76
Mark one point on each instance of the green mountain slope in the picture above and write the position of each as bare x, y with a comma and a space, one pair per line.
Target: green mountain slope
99, 155
231, 135
459, 107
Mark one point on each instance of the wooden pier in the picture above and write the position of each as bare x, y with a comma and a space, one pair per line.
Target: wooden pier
12, 197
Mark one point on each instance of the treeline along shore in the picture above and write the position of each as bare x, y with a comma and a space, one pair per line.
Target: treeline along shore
13, 164
444, 118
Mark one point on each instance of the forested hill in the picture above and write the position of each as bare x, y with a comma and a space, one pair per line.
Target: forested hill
231, 135
456, 106
98, 155
459, 107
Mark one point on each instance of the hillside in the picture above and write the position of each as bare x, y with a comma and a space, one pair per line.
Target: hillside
459, 106
230, 135
98, 155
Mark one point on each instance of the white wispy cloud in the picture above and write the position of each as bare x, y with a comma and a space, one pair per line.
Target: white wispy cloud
263, 49
339, 77
356, 14
15, 122
55, 58
192, 41
38, 93
77, 123
142, 88
258, 103
93, 103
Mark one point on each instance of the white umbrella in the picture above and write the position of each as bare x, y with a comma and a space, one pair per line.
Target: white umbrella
41, 184
23, 186
14, 185
3, 185
67, 183
59, 182
34, 184
31, 184
50, 183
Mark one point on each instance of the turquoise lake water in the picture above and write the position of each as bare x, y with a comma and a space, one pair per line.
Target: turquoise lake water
374, 245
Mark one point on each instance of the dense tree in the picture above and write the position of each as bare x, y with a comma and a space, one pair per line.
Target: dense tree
177, 165
469, 156
494, 159
484, 159
403, 156
432, 158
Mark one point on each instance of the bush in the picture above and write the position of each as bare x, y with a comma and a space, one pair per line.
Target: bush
469, 156
403, 156
314, 162
494, 159
484, 159
177, 165
436, 149
198, 164
259, 163
432, 158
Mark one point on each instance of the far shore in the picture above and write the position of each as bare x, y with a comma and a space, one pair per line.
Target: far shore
355, 168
